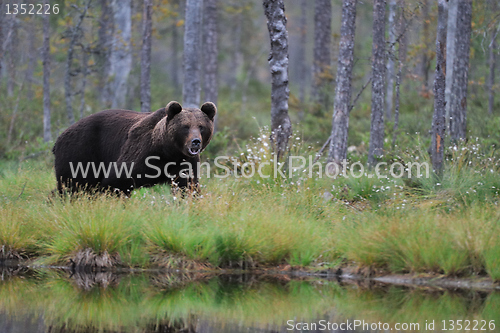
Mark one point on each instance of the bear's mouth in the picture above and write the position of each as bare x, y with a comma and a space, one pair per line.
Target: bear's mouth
194, 151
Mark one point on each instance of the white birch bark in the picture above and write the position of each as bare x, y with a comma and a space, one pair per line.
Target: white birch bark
378, 79
192, 47
343, 90
47, 135
121, 53
281, 127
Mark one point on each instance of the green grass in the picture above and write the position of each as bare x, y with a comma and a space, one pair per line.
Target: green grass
446, 225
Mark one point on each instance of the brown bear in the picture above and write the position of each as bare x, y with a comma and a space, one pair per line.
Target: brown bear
120, 150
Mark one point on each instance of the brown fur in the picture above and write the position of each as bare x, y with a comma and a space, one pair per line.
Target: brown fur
173, 134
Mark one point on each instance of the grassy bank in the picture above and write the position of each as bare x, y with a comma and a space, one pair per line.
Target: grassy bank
441, 226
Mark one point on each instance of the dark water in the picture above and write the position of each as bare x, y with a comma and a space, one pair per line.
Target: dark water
58, 301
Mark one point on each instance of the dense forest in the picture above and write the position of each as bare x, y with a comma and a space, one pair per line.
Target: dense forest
378, 67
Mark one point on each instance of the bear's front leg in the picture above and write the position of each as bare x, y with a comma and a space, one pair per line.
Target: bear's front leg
118, 183
186, 178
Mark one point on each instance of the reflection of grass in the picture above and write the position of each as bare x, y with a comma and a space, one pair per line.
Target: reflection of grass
401, 305
131, 303
257, 303
112, 308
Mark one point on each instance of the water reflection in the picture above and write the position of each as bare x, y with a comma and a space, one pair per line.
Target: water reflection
57, 301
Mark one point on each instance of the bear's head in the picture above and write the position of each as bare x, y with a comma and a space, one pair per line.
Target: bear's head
191, 129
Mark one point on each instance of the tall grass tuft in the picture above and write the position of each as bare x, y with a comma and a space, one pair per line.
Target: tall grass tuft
17, 240
103, 226
424, 241
233, 229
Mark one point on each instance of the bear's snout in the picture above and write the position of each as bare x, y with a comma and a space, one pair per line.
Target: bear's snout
195, 147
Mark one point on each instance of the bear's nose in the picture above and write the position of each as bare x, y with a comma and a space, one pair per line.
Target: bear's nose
196, 143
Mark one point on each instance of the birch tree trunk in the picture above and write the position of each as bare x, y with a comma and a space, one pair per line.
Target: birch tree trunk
450, 56
121, 55
13, 48
458, 111
210, 54
210, 51
175, 47
192, 45
281, 127
85, 72
438, 119
378, 77
425, 61
7, 24
302, 53
390, 60
47, 136
492, 64
236, 55
73, 37
105, 46
322, 76
2, 20
402, 41
343, 90
175, 63
147, 24
32, 57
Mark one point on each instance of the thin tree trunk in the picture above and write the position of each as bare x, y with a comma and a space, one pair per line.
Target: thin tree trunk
14, 114
210, 51
6, 35
281, 127
121, 55
192, 43
450, 56
302, 54
397, 101
68, 91
343, 90
401, 40
85, 56
458, 112
322, 66
2, 20
12, 59
32, 56
210, 54
438, 119
426, 64
105, 45
390, 60
175, 56
147, 25
376, 148
236, 56
492, 64
47, 136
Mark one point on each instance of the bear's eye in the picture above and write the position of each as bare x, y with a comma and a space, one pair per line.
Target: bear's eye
202, 129
185, 128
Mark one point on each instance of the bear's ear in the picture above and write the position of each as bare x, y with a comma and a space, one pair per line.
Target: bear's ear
173, 108
209, 109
